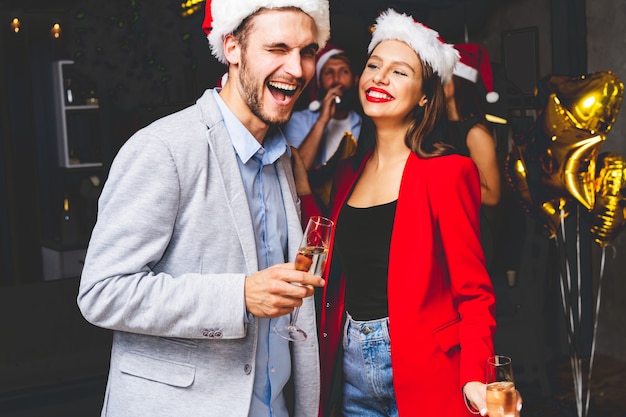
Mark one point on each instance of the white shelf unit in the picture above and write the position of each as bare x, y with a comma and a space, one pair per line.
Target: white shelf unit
78, 125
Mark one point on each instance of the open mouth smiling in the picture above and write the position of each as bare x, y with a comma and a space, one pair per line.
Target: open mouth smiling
378, 95
281, 91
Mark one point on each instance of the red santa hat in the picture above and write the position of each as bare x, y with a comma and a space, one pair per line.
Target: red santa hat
426, 43
475, 62
223, 17
321, 58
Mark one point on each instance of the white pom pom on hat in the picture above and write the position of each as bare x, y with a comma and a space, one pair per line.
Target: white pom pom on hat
223, 17
315, 105
426, 42
475, 62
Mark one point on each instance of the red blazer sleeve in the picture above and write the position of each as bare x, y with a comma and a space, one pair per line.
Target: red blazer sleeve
458, 202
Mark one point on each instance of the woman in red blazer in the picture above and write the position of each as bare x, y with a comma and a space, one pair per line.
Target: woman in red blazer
407, 314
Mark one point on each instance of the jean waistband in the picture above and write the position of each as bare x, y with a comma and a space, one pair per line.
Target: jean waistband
370, 329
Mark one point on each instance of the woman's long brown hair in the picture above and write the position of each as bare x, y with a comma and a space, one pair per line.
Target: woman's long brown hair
425, 133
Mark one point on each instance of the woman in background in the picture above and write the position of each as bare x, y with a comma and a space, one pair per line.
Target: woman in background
470, 132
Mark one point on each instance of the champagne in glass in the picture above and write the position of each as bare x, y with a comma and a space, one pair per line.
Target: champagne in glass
311, 257
501, 394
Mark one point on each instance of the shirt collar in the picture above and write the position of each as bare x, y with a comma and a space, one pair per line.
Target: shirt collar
246, 145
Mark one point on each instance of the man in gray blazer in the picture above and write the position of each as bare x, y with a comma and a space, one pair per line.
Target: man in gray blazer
188, 261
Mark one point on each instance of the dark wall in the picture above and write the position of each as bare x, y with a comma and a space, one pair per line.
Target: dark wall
52, 343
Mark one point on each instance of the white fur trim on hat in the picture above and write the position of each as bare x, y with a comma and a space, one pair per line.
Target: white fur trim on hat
465, 71
227, 15
391, 25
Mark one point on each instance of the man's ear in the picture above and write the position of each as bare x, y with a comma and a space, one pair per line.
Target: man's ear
232, 49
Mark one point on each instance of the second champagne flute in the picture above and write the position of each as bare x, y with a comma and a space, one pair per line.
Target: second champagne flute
501, 395
311, 257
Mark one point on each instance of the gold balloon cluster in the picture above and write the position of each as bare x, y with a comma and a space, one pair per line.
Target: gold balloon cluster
559, 161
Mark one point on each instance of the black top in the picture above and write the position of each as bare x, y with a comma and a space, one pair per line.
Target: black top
362, 241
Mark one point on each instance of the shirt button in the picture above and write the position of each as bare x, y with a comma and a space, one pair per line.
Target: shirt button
325, 334
218, 334
327, 305
247, 369
205, 332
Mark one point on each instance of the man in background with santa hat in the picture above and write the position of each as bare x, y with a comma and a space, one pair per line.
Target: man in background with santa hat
328, 129
188, 261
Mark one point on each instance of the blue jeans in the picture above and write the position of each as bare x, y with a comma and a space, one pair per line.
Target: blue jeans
367, 376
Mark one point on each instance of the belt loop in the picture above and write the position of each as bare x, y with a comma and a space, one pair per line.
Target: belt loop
345, 328
387, 327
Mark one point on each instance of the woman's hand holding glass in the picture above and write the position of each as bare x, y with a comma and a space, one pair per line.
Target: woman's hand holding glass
498, 396
501, 395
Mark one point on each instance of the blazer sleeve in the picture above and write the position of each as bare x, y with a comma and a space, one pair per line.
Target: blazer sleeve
458, 199
125, 284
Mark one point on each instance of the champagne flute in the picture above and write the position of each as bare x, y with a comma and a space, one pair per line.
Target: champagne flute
501, 394
311, 257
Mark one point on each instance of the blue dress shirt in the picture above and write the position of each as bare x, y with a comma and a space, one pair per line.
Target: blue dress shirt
267, 209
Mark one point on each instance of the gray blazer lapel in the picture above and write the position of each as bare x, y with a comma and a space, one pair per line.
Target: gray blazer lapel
223, 156
224, 159
292, 206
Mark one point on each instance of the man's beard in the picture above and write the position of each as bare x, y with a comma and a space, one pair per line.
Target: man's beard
251, 96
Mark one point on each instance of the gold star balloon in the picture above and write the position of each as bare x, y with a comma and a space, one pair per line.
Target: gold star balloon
609, 211
577, 117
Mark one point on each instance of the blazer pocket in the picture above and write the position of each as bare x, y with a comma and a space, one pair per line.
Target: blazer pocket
447, 336
177, 342
157, 369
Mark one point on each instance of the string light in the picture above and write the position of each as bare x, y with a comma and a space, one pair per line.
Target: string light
495, 119
190, 7
16, 25
56, 31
